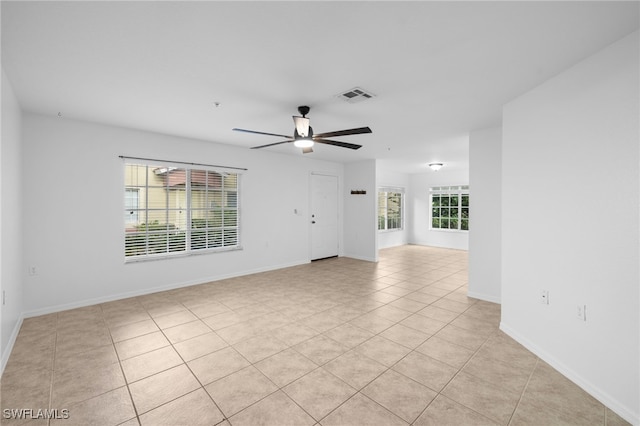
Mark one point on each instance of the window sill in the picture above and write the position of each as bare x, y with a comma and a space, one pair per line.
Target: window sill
177, 255
459, 231
384, 231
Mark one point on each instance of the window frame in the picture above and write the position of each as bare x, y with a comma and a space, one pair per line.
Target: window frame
387, 191
459, 191
185, 245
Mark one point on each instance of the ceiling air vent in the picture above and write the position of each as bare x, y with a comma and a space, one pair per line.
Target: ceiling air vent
355, 95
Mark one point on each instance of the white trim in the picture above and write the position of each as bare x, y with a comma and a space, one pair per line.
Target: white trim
384, 188
119, 296
367, 259
608, 401
12, 341
486, 297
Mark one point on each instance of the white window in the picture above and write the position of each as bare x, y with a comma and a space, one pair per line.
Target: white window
450, 207
390, 208
179, 210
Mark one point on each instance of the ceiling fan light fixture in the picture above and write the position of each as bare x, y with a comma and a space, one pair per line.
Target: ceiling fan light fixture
303, 143
435, 166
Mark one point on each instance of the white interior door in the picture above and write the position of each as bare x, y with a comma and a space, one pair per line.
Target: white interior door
324, 216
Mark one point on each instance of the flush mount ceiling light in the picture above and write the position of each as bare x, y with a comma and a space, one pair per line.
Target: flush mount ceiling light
435, 166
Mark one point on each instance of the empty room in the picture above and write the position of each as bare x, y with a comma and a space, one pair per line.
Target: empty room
320, 213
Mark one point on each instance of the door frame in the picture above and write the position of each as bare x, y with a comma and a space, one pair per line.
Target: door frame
339, 215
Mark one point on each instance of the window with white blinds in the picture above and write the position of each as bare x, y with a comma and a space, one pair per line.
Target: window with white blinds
390, 209
179, 210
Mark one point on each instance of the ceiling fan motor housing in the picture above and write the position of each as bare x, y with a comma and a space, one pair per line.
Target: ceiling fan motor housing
304, 110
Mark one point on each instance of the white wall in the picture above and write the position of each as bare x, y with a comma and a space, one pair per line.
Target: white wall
388, 178
360, 214
485, 167
418, 207
11, 265
73, 185
570, 223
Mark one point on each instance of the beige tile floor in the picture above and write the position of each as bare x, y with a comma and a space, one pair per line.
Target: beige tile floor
334, 342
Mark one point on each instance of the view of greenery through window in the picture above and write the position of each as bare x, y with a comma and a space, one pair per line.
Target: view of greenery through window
171, 210
450, 207
389, 210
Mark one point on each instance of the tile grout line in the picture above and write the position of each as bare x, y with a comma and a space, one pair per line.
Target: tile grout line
524, 389
53, 368
171, 344
126, 382
456, 374
346, 322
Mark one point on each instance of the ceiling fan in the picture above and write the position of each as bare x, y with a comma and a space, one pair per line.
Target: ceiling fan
304, 138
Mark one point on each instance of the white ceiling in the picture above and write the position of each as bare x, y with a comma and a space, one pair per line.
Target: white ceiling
438, 69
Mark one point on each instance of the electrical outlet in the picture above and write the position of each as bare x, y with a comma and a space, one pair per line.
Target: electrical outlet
33, 270
544, 297
582, 312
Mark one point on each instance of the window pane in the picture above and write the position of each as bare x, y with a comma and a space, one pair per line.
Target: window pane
444, 200
453, 224
199, 199
231, 181
453, 200
157, 242
215, 199
135, 243
214, 238
435, 212
382, 209
230, 218
465, 200
444, 212
453, 212
389, 210
435, 201
230, 237
177, 241
232, 199
435, 223
131, 203
465, 213
215, 218
444, 223
464, 224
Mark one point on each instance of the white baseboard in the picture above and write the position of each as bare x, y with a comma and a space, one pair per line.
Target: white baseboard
606, 399
12, 341
486, 297
119, 296
367, 259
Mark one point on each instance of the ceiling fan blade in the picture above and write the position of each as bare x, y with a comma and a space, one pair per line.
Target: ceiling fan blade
357, 131
271, 144
302, 125
337, 143
262, 133
307, 150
